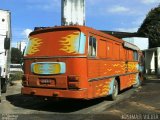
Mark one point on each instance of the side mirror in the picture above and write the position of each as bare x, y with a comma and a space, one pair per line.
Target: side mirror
7, 43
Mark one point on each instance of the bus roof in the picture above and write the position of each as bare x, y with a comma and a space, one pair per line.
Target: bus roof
39, 30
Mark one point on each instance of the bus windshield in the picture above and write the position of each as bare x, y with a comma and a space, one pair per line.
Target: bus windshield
56, 43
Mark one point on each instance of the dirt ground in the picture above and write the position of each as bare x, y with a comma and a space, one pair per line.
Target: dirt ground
141, 103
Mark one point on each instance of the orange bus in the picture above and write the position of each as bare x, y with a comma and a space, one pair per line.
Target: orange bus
79, 62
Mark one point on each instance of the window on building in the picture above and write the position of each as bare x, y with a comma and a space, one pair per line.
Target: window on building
92, 46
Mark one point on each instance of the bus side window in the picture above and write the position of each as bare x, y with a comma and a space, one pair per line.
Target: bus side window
92, 46
135, 55
130, 55
109, 49
116, 51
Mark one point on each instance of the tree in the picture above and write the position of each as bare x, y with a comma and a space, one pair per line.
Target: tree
16, 56
151, 27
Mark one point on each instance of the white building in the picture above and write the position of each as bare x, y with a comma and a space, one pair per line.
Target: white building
140, 42
152, 61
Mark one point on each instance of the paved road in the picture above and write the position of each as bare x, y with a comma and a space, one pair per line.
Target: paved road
143, 104
15, 103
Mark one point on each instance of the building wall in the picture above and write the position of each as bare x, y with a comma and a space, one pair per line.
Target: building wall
158, 57
152, 61
140, 42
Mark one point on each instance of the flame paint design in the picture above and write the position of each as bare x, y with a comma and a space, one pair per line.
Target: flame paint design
33, 46
132, 67
103, 89
70, 43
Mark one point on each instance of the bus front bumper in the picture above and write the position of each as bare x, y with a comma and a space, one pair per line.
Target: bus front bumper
73, 94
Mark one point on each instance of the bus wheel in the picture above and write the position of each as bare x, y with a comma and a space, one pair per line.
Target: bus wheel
115, 91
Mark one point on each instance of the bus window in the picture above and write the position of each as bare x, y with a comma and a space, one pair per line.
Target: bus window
130, 55
135, 55
123, 53
92, 46
109, 49
102, 52
116, 51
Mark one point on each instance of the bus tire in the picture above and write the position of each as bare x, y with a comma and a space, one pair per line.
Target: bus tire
114, 94
3, 86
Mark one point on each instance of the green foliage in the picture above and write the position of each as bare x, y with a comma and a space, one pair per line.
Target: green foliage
151, 27
16, 56
16, 76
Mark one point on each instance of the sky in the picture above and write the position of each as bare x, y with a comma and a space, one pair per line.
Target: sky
116, 15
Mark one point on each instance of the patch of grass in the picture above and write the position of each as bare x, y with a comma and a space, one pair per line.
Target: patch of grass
16, 76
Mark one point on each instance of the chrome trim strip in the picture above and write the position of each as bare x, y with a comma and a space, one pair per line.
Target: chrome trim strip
106, 77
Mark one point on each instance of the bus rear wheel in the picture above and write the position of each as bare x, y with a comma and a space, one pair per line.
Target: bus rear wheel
115, 91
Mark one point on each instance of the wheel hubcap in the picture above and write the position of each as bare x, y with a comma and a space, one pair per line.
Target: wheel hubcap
115, 90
